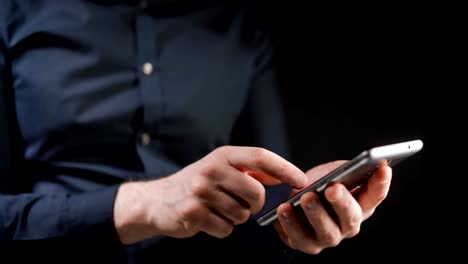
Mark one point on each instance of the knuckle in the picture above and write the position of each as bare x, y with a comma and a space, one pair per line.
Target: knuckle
192, 211
313, 250
244, 215
189, 217
258, 156
238, 213
201, 188
225, 231
258, 198
283, 169
259, 192
354, 231
208, 170
331, 239
221, 150
354, 221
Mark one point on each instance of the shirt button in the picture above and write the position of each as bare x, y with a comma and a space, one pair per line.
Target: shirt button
147, 68
145, 139
143, 4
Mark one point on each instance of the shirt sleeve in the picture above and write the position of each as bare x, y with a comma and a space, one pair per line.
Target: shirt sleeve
52, 215
58, 216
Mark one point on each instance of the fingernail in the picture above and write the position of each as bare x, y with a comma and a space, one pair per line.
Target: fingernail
286, 218
312, 204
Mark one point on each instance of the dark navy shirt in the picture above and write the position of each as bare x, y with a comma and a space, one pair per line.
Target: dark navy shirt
102, 92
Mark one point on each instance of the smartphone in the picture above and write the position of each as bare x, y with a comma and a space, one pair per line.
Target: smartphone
354, 172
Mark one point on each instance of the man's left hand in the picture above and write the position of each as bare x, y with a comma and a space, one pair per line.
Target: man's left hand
317, 229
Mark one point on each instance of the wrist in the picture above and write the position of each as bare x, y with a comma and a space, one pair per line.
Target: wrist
130, 213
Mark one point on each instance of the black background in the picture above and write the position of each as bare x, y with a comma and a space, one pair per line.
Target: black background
354, 77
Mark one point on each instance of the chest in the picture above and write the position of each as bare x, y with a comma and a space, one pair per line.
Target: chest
87, 64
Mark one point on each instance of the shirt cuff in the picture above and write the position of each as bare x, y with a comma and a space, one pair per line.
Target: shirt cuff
91, 215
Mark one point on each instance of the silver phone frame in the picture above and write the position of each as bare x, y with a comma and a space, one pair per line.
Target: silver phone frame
353, 172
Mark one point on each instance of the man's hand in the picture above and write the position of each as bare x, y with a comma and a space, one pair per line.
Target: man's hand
318, 229
211, 195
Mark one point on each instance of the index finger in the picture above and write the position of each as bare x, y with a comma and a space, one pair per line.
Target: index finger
267, 162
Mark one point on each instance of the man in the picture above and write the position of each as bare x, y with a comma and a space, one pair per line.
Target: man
156, 126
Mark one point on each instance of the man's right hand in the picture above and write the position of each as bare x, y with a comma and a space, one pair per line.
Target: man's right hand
211, 195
